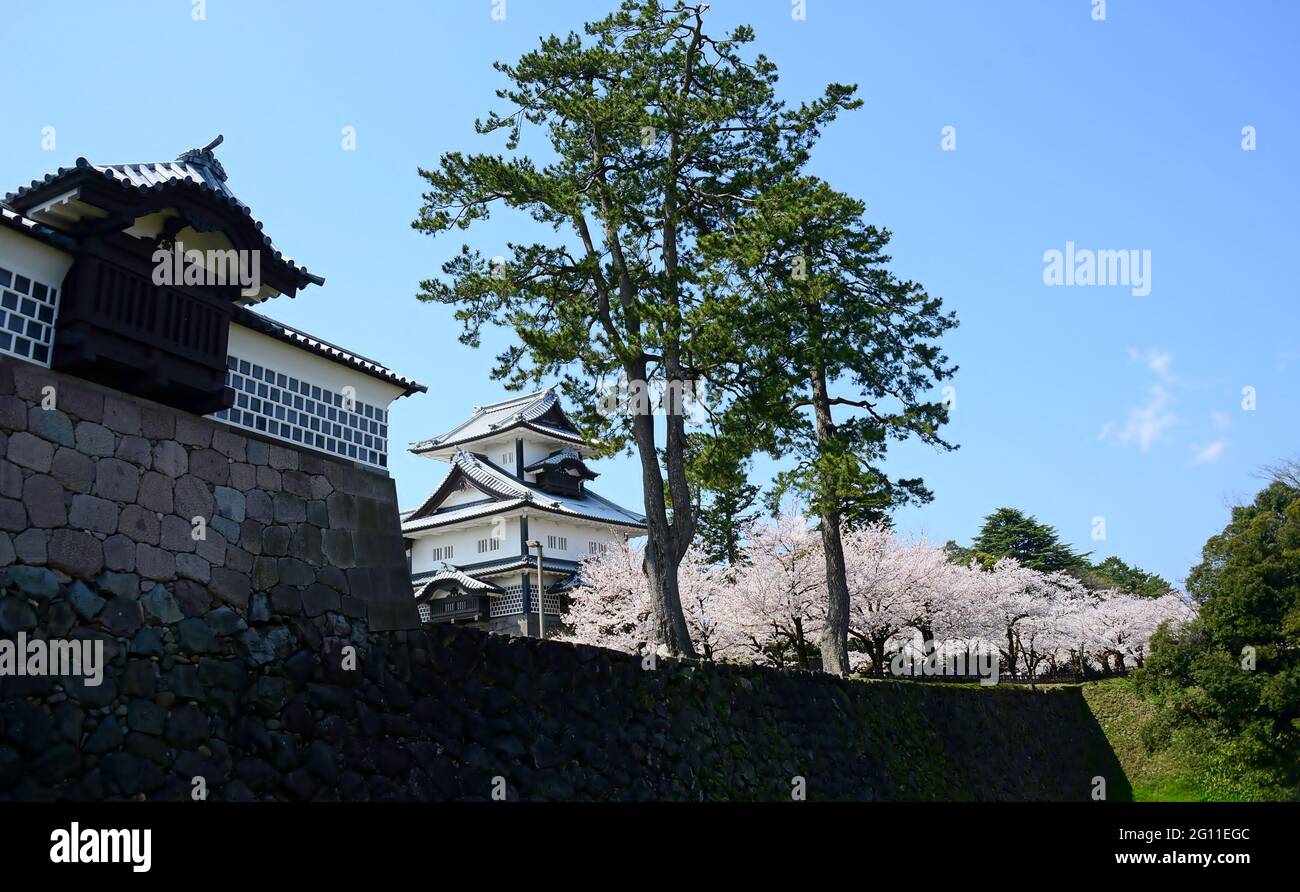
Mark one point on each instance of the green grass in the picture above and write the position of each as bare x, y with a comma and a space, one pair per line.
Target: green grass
1188, 765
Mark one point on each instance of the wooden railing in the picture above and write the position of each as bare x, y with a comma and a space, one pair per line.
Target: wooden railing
131, 305
445, 610
162, 342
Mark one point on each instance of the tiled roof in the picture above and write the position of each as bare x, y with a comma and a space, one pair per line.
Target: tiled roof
555, 458
519, 562
472, 582
499, 417
297, 338
456, 515
509, 492
196, 169
572, 581
28, 226
448, 573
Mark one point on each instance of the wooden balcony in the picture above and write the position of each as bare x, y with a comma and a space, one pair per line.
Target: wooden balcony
160, 342
458, 609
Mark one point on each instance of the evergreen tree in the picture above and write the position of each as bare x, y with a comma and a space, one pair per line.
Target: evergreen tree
836, 358
658, 133
1236, 669
1113, 573
1009, 532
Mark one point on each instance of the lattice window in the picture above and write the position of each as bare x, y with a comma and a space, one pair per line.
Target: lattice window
509, 603
443, 552
507, 458
560, 543
288, 408
552, 602
597, 547
486, 545
426, 613
27, 311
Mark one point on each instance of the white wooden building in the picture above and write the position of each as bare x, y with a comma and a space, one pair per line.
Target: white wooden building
518, 473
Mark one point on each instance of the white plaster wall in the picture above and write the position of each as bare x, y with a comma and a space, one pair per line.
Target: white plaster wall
464, 541
317, 370
34, 259
578, 533
464, 496
536, 450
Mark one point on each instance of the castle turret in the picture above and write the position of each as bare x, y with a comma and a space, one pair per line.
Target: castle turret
519, 472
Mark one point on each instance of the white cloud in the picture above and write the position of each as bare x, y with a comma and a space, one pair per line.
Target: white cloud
1210, 452
1154, 359
1222, 420
1144, 424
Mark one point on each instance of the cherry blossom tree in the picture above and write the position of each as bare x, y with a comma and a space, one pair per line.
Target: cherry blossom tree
883, 581
777, 603
1017, 609
903, 595
709, 607
611, 608
1120, 625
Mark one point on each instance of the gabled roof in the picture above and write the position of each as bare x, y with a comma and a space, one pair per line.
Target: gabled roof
196, 171
297, 338
448, 573
565, 458
504, 492
539, 412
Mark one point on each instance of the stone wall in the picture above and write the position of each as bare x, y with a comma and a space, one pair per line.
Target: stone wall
271, 660
264, 704
106, 488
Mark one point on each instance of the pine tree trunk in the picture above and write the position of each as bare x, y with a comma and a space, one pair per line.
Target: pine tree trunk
835, 634
662, 557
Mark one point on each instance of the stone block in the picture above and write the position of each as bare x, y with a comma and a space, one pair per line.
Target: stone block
50, 424
43, 497
77, 553
176, 534
94, 439
140, 524
231, 587
136, 450
75, 471
156, 492
117, 480
210, 465
170, 458
193, 498
93, 514
31, 452
154, 563
122, 414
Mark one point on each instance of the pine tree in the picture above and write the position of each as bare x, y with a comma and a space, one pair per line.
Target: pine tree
1009, 532
834, 357
658, 133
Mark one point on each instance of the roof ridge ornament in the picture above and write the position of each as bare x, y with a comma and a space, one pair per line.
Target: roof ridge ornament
205, 158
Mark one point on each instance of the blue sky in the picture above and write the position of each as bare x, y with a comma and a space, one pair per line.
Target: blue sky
1071, 402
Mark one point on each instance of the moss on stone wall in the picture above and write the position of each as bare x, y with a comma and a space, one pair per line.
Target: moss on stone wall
444, 713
